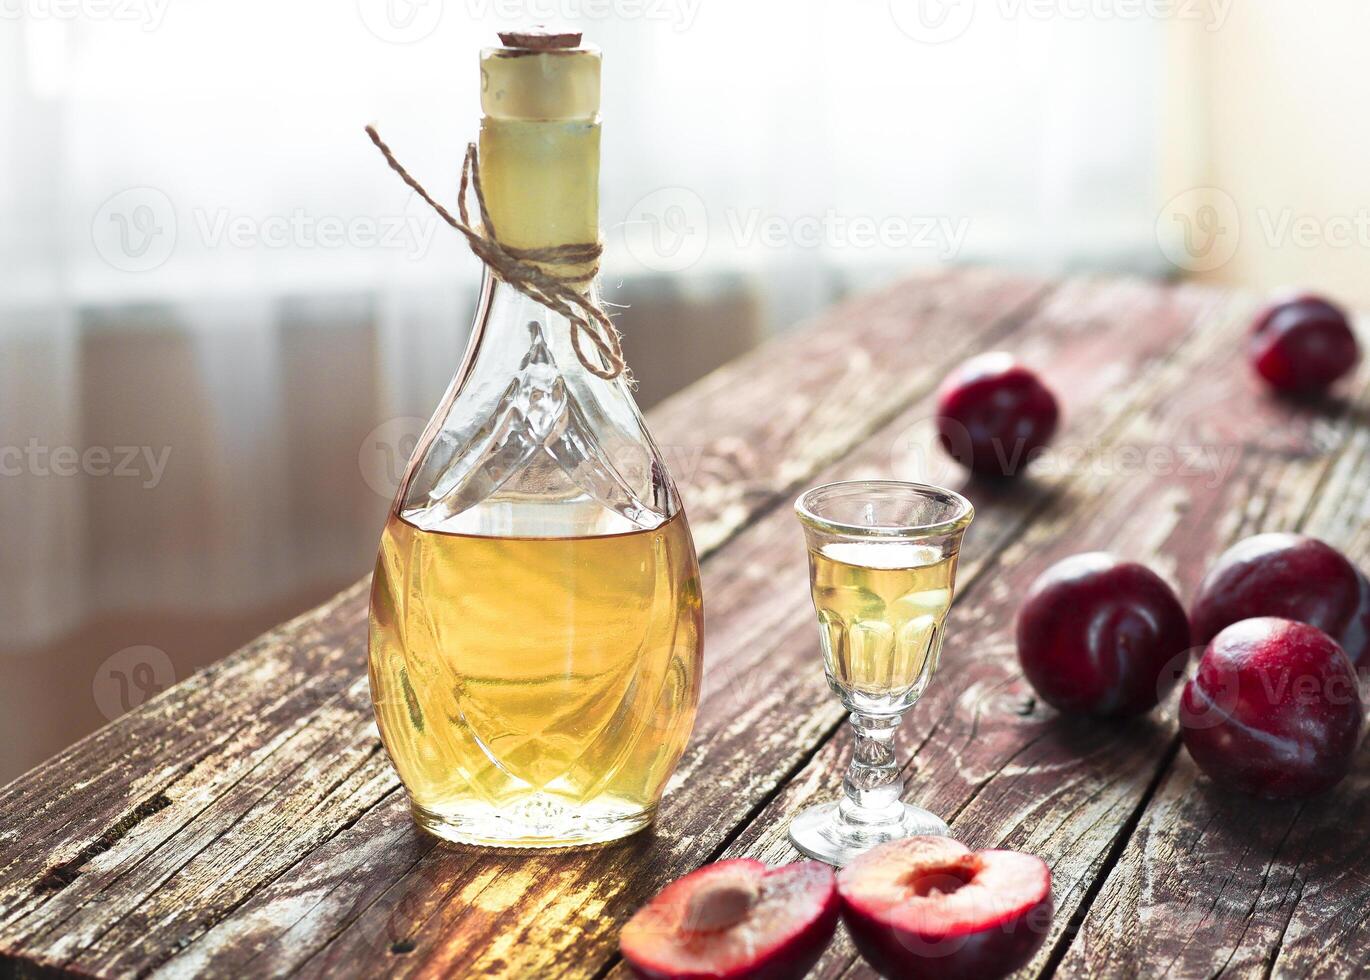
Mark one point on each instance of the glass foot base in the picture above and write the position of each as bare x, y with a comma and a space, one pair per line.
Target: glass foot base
824, 835
538, 821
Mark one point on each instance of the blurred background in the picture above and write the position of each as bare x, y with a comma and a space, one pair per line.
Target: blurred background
223, 321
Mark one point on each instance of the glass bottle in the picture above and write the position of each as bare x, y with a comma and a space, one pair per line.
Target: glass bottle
536, 618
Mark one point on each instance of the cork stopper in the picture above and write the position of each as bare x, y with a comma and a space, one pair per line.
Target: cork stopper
539, 39
540, 75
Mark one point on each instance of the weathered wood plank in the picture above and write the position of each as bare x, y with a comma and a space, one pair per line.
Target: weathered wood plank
956, 312
1238, 887
279, 843
765, 706
191, 765
767, 421
744, 739
1010, 772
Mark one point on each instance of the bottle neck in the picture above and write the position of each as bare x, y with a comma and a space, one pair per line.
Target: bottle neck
541, 181
539, 142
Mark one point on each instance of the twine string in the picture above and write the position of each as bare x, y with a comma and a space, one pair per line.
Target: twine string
551, 275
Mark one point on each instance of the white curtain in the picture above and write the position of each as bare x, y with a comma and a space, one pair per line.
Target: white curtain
204, 260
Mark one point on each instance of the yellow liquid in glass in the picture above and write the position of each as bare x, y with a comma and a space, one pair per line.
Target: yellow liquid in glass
535, 691
881, 608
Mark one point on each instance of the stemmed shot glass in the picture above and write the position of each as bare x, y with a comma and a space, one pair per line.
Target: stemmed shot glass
882, 567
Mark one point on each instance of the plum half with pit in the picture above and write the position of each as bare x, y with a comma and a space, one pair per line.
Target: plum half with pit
993, 414
1291, 576
1302, 344
1273, 709
735, 919
1100, 636
930, 907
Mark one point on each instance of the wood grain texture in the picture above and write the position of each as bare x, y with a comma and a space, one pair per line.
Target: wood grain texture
765, 707
1004, 770
247, 823
164, 823
1227, 885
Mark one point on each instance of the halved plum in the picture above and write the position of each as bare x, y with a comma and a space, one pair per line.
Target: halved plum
930, 908
735, 919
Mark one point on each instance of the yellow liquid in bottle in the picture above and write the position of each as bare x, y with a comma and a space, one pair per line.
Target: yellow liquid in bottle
881, 608
535, 691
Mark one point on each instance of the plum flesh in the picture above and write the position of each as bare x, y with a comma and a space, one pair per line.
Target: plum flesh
929, 907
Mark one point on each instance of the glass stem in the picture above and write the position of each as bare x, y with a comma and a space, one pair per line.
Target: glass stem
872, 785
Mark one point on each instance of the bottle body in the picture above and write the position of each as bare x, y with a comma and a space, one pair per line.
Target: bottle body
536, 616
535, 691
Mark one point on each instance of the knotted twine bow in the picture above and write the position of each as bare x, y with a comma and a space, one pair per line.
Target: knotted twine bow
553, 288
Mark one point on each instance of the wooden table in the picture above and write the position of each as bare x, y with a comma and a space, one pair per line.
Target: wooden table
247, 822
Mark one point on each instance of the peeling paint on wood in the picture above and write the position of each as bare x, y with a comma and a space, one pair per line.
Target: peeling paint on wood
246, 822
